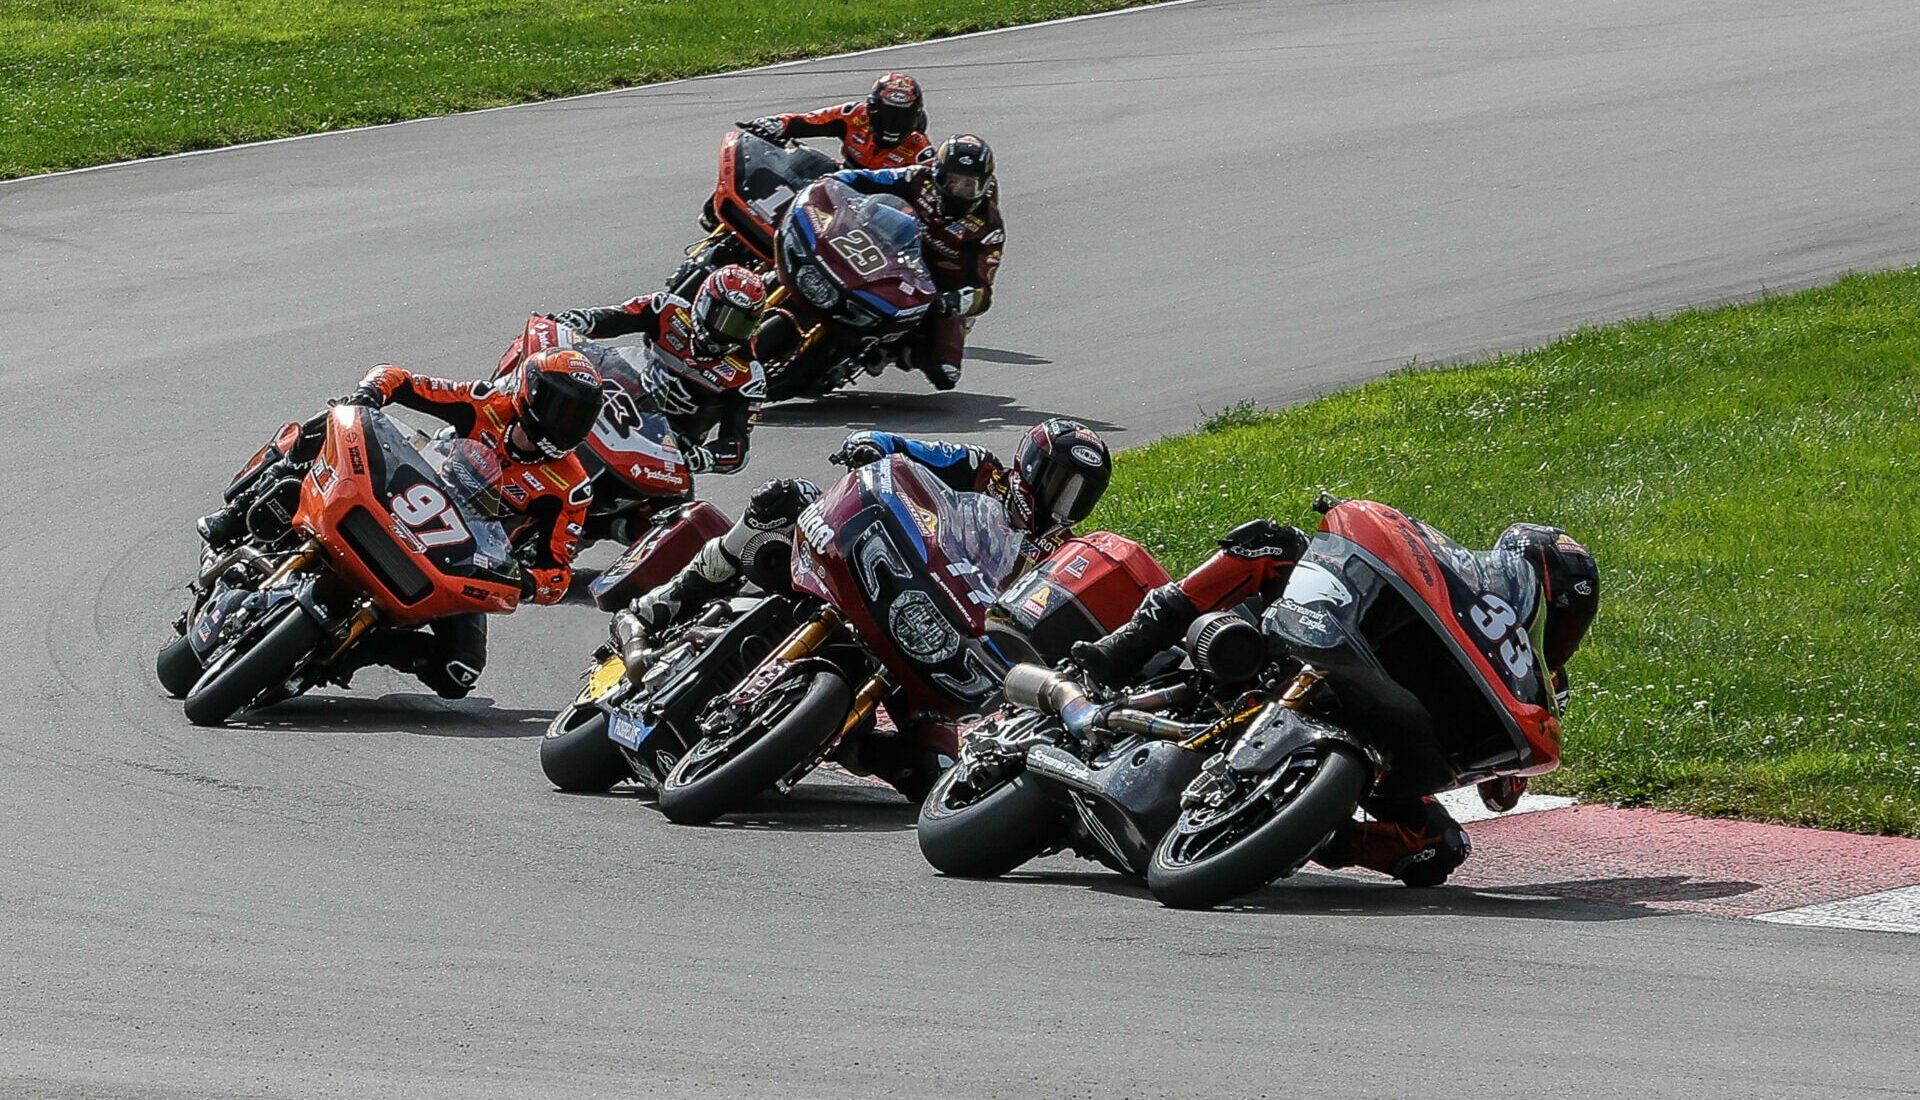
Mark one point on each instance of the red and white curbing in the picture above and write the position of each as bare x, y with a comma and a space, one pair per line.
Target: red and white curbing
1656, 860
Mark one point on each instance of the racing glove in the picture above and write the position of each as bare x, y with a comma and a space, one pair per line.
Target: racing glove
856, 451
699, 457
575, 319
361, 395
955, 303
768, 127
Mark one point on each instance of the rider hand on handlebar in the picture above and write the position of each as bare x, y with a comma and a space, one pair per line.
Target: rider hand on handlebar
365, 396
575, 319
856, 452
769, 128
954, 303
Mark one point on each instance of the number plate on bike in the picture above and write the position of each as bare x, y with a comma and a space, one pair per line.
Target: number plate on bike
627, 730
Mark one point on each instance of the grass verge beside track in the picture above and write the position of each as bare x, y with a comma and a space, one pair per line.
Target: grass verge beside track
95, 81
1749, 480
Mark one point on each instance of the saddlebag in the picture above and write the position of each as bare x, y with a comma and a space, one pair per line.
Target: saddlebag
1084, 590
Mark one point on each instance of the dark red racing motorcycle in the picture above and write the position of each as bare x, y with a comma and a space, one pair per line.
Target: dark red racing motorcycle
892, 577
758, 180
853, 284
1394, 664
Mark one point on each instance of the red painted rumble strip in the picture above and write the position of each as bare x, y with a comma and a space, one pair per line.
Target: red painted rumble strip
1672, 861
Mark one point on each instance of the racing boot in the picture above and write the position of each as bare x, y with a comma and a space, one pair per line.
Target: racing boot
1160, 621
712, 574
1419, 844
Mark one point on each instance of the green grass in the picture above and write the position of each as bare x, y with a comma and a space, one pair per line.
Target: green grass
94, 81
1746, 478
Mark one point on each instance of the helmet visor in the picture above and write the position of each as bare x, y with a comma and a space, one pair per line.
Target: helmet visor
964, 188
892, 122
1061, 494
729, 324
562, 412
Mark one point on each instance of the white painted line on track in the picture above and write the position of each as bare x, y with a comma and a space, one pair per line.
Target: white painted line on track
1890, 911
1466, 807
607, 92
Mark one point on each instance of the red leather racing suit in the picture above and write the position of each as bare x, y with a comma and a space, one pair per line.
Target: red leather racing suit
551, 495
696, 392
858, 147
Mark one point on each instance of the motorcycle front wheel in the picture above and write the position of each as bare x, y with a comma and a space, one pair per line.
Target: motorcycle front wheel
178, 667
234, 681
1213, 855
576, 755
720, 774
971, 833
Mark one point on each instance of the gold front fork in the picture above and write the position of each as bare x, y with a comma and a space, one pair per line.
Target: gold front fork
809, 636
299, 560
864, 700
357, 627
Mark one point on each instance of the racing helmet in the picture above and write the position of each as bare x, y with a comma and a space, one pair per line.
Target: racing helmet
895, 108
1059, 472
727, 309
1569, 585
556, 399
963, 169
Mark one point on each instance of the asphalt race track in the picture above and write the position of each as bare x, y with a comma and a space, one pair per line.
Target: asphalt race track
375, 894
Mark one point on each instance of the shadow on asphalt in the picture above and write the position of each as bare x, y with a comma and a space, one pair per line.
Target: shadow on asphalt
916, 413
1005, 357
1328, 895
814, 808
397, 712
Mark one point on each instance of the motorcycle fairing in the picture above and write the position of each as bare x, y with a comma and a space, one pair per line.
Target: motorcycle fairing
453, 562
869, 249
870, 547
757, 182
1410, 683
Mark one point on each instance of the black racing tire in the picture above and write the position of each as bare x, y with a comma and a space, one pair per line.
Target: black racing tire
989, 835
776, 338
577, 755
1186, 874
178, 667
704, 785
232, 684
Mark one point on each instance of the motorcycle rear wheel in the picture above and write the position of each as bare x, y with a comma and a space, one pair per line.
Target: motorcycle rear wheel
178, 667
989, 834
1202, 863
231, 684
718, 776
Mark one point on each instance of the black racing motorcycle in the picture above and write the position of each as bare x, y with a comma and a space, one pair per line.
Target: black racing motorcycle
1395, 663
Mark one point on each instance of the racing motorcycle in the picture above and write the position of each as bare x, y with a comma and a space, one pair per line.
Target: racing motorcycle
642, 484
378, 533
1393, 664
757, 182
852, 285
639, 707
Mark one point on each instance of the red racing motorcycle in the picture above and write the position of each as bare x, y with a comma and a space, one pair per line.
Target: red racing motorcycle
642, 485
853, 285
758, 180
379, 532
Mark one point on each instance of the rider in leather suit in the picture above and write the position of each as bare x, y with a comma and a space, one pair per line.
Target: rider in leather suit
1060, 469
533, 421
958, 203
885, 130
1413, 839
707, 381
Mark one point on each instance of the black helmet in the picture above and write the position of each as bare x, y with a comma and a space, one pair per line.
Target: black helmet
963, 167
557, 400
895, 108
1059, 471
1569, 585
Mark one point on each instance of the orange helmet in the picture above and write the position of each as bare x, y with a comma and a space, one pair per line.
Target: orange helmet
556, 399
